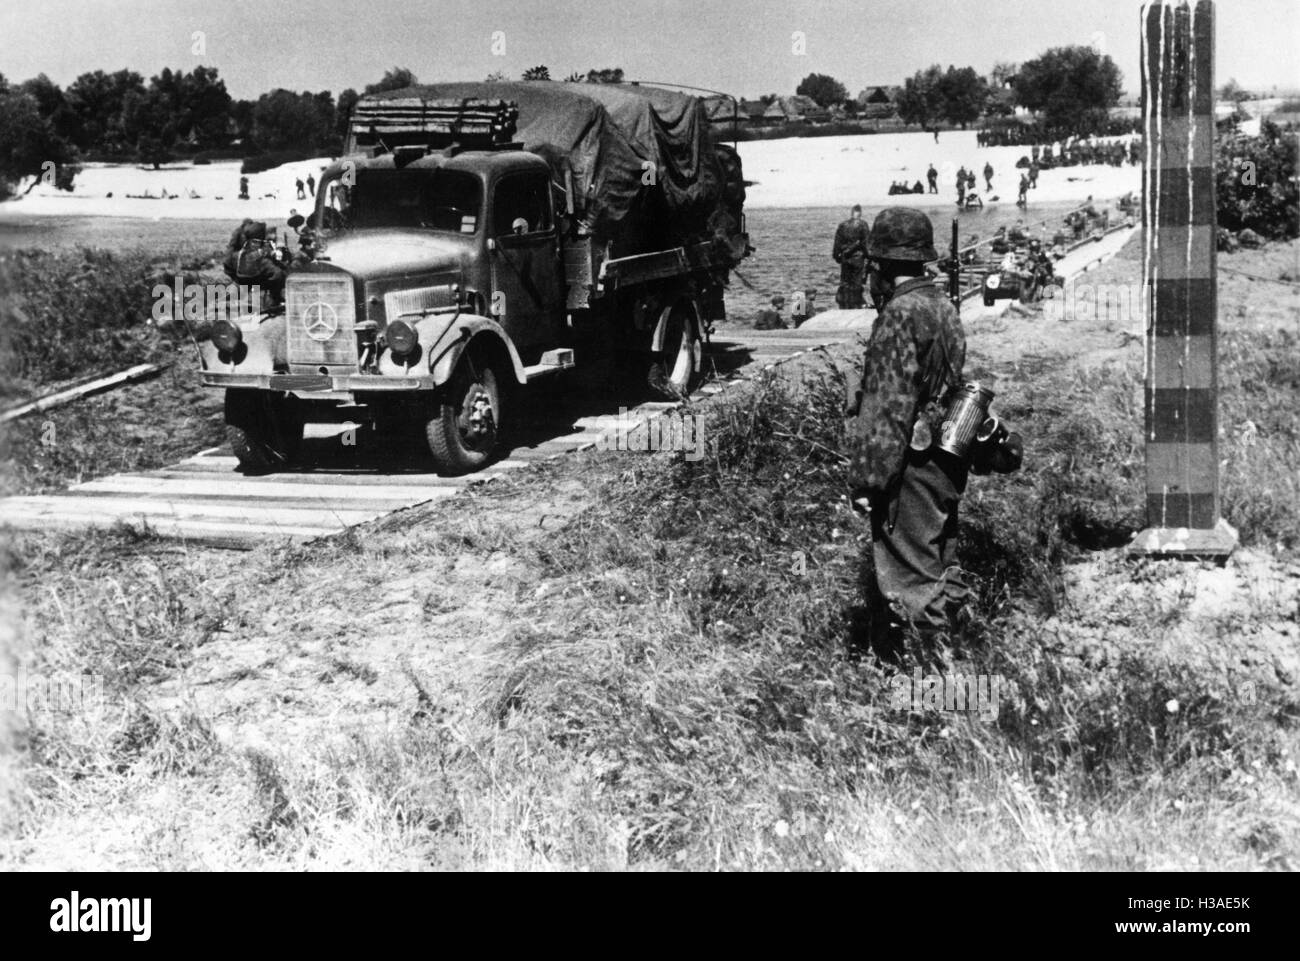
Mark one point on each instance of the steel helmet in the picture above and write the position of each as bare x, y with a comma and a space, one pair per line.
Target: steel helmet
902, 233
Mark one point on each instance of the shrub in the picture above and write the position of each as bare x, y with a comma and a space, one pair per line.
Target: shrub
76, 312
1257, 187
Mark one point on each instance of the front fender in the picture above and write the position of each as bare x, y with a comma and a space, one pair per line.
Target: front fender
443, 339
265, 347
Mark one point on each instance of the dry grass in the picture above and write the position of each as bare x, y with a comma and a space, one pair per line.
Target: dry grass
667, 691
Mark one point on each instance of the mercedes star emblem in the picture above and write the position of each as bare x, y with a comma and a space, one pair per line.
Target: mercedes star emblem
320, 321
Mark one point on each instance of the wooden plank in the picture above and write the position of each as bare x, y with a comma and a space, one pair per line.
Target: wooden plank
211, 534
16, 511
173, 503
132, 375
360, 477
253, 491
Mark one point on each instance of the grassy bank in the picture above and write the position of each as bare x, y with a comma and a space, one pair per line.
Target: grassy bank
75, 314
679, 672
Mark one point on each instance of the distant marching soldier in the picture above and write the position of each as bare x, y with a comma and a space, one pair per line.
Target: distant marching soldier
961, 187
988, 176
932, 175
850, 252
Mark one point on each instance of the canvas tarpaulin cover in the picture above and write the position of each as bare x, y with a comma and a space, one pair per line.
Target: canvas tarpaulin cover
605, 135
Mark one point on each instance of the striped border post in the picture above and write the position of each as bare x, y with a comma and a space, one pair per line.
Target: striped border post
1179, 262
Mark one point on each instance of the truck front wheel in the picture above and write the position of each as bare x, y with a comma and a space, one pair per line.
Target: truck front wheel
463, 430
676, 370
264, 429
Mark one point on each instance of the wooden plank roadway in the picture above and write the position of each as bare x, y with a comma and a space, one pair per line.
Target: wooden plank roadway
205, 500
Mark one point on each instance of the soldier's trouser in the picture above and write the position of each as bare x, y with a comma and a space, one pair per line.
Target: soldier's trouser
914, 531
853, 278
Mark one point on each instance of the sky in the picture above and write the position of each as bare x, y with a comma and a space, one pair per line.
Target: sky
743, 47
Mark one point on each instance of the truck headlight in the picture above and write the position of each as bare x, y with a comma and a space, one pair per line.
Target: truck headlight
226, 336
402, 337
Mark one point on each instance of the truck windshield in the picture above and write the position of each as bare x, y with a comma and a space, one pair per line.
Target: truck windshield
447, 200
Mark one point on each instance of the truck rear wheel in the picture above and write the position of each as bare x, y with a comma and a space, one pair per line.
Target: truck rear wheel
264, 429
676, 370
463, 431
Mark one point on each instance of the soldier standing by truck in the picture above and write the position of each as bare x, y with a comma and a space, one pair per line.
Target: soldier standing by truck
850, 252
910, 487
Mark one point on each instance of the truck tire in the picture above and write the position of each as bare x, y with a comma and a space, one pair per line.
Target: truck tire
676, 370
463, 429
263, 429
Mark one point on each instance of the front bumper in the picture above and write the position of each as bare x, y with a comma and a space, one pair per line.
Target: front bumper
308, 384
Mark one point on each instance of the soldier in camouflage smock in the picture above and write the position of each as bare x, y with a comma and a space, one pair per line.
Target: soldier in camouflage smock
912, 489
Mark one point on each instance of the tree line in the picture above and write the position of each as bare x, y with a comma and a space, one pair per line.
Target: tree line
1069, 88
45, 130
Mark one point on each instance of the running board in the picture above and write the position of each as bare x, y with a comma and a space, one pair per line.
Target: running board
552, 361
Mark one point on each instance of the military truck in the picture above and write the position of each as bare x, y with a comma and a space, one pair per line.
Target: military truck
474, 238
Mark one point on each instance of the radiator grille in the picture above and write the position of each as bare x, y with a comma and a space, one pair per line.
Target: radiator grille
322, 320
417, 299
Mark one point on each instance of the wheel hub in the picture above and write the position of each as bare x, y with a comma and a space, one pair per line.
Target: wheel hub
480, 420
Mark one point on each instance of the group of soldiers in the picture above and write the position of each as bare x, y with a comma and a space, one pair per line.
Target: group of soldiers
1022, 135
804, 307
1073, 152
1089, 152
